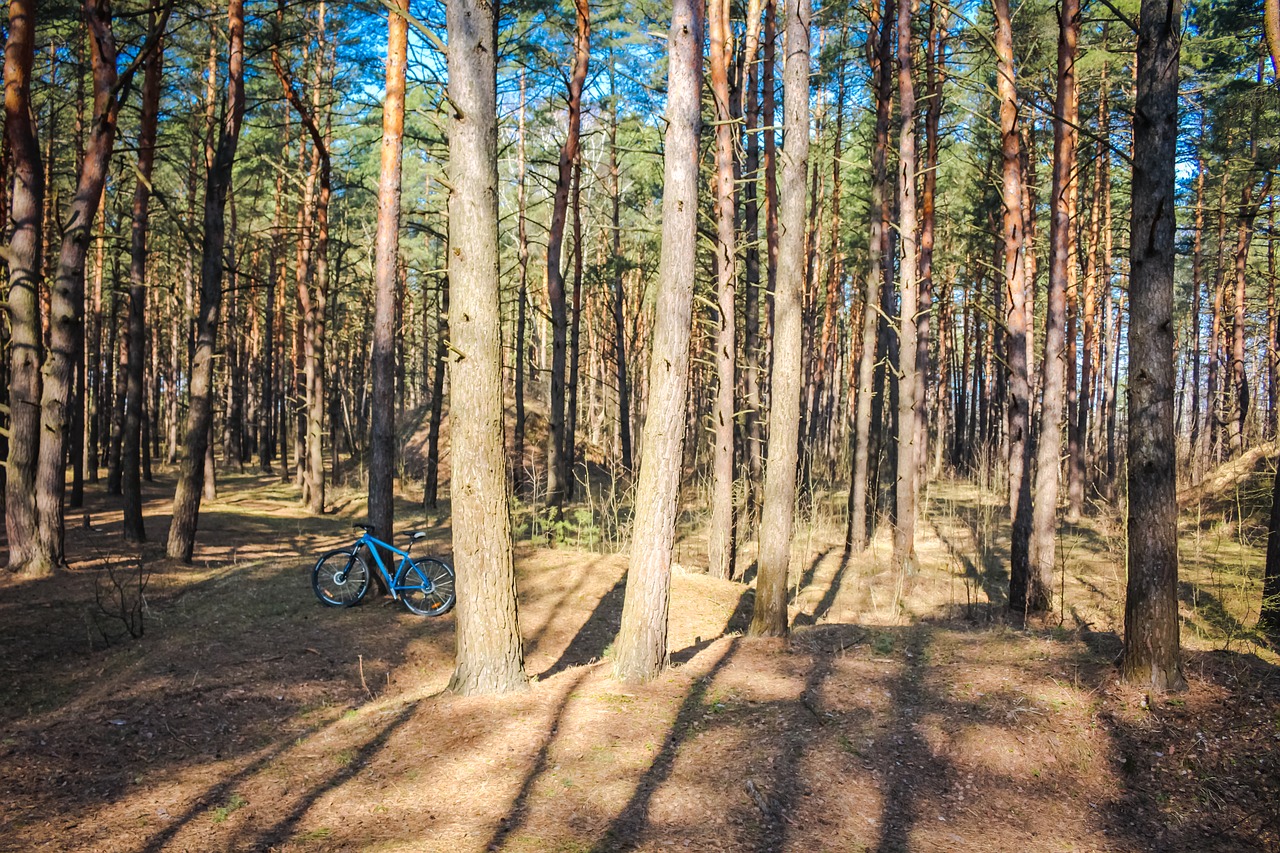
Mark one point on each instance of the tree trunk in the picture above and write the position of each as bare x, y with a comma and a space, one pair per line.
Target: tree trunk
1240, 396
777, 514
1049, 447
66, 322
720, 530
382, 430
558, 475
575, 335
24, 261
1013, 237
1269, 614
904, 529
616, 264
856, 536
191, 474
1151, 657
134, 531
640, 651
522, 299
431, 485
489, 654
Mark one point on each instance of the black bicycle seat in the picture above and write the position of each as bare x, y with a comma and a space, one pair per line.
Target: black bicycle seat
367, 528
415, 535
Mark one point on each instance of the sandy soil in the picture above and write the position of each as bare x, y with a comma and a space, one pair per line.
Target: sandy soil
903, 713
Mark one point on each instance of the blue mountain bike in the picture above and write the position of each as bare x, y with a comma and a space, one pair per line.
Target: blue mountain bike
425, 586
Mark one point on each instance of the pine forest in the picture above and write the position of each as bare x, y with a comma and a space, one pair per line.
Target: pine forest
769, 425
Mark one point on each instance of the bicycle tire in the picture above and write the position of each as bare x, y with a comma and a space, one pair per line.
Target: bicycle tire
340, 582
426, 586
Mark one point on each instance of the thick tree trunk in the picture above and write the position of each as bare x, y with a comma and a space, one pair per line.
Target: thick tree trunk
489, 655
777, 514
66, 321
558, 474
1151, 656
720, 530
192, 474
24, 261
1049, 448
904, 528
1013, 239
134, 531
382, 430
640, 651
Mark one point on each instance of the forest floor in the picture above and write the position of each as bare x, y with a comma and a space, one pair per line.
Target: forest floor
904, 713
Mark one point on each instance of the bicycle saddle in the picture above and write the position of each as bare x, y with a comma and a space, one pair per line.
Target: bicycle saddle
367, 528
415, 535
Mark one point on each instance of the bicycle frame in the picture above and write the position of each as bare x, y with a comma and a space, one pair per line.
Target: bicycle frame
374, 546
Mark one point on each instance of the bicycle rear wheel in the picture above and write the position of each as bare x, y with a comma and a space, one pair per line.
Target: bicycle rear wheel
340, 578
425, 586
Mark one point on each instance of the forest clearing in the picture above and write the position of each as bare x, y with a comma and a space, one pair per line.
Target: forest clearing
847, 426
898, 716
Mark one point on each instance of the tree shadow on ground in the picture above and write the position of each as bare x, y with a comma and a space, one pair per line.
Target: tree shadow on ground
1211, 610
595, 635
279, 832
913, 771
625, 830
828, 599
1198, 770
519, 811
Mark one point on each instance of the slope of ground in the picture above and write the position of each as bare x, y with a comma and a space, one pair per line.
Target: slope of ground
903, 714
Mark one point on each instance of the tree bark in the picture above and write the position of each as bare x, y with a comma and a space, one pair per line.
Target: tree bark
134, 530
616, 264
640, 651
558, 475
1151, 656
720, 530
66, 321
382, 432
1053, 384
25, 265
489, 655
904, 529
1013, 237
859, 529
777, 514
191, 474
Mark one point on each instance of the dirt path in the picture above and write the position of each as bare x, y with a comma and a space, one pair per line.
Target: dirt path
900, 716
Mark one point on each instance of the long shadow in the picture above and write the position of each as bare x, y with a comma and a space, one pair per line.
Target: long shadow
738, 623
790, 781
1200, 779
993, 574
220, 791
807, 577
1211, 609
519, 812
624, 830
828, 595
596, 633
912, 769
272, 837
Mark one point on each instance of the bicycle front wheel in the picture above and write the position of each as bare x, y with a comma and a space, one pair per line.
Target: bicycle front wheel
340, 578
425, 587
